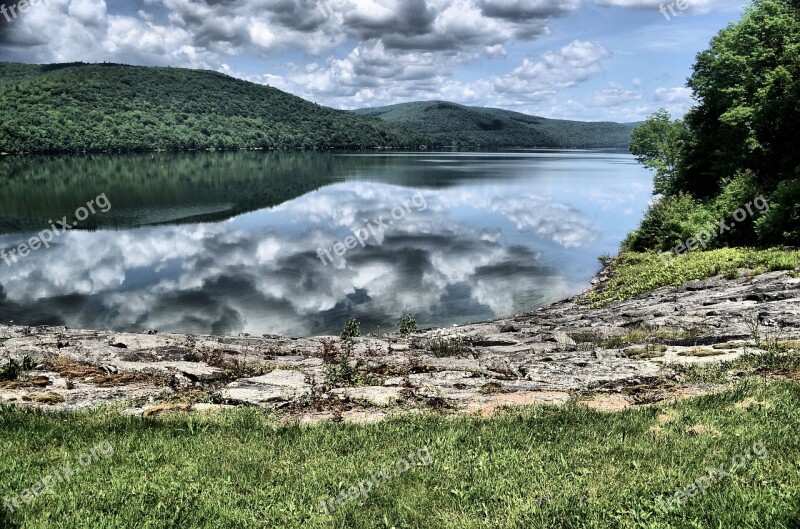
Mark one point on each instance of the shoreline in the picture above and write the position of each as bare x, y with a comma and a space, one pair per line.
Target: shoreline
551, 355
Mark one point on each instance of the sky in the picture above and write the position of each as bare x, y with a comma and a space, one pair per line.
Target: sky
594, 60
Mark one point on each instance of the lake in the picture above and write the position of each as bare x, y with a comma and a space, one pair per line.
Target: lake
297, 243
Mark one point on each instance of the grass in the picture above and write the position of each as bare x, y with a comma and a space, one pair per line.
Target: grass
772, 362
535, 467
636, 273
649, 333
443, 347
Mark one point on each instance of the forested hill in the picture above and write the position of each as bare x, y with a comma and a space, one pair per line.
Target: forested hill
451, 124
110, 107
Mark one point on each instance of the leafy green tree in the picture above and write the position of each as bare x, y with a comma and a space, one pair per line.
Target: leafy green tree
657, 145
739, 142
748, 87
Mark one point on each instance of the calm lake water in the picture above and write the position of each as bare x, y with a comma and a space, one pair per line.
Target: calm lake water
225, 243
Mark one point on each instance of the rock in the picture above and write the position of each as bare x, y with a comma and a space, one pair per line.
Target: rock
279, 377
279, 385
374, 395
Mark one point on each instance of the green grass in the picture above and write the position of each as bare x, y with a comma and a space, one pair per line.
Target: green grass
635, 273
537, 467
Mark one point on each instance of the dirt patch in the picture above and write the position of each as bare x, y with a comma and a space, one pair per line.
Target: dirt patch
609, 403
487, 406
161, 408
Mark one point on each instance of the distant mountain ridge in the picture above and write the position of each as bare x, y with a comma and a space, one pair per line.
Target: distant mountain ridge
454, 125
79, 107
113, 107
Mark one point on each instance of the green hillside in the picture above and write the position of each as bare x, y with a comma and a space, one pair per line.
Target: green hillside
450, 124
111, 107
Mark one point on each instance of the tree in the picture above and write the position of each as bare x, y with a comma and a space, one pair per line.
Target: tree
657, 144
747, 85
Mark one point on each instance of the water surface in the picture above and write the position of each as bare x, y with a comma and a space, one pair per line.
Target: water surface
225, 243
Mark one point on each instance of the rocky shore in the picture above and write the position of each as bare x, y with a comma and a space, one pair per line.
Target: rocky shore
628, 353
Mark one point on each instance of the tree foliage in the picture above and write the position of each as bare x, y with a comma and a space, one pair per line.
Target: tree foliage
741, 139
747, 85
111, 107
657, 144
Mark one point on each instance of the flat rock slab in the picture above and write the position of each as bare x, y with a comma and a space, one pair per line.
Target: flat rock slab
280, 385
374, 395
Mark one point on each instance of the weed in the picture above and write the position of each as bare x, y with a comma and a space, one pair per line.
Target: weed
753, 324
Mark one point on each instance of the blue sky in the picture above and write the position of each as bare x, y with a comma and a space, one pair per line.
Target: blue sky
576, 59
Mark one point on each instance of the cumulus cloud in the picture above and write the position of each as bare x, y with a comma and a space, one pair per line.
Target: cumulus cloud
344, 53
693, 6
371, 75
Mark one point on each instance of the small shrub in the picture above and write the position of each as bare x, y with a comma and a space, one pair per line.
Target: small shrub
605, 259
329, 352
341, 373
408, 325
352, 329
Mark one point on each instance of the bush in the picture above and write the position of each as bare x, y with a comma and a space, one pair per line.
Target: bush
667, 223
342, 373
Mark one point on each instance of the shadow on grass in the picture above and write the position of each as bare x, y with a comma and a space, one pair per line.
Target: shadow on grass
5, 520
